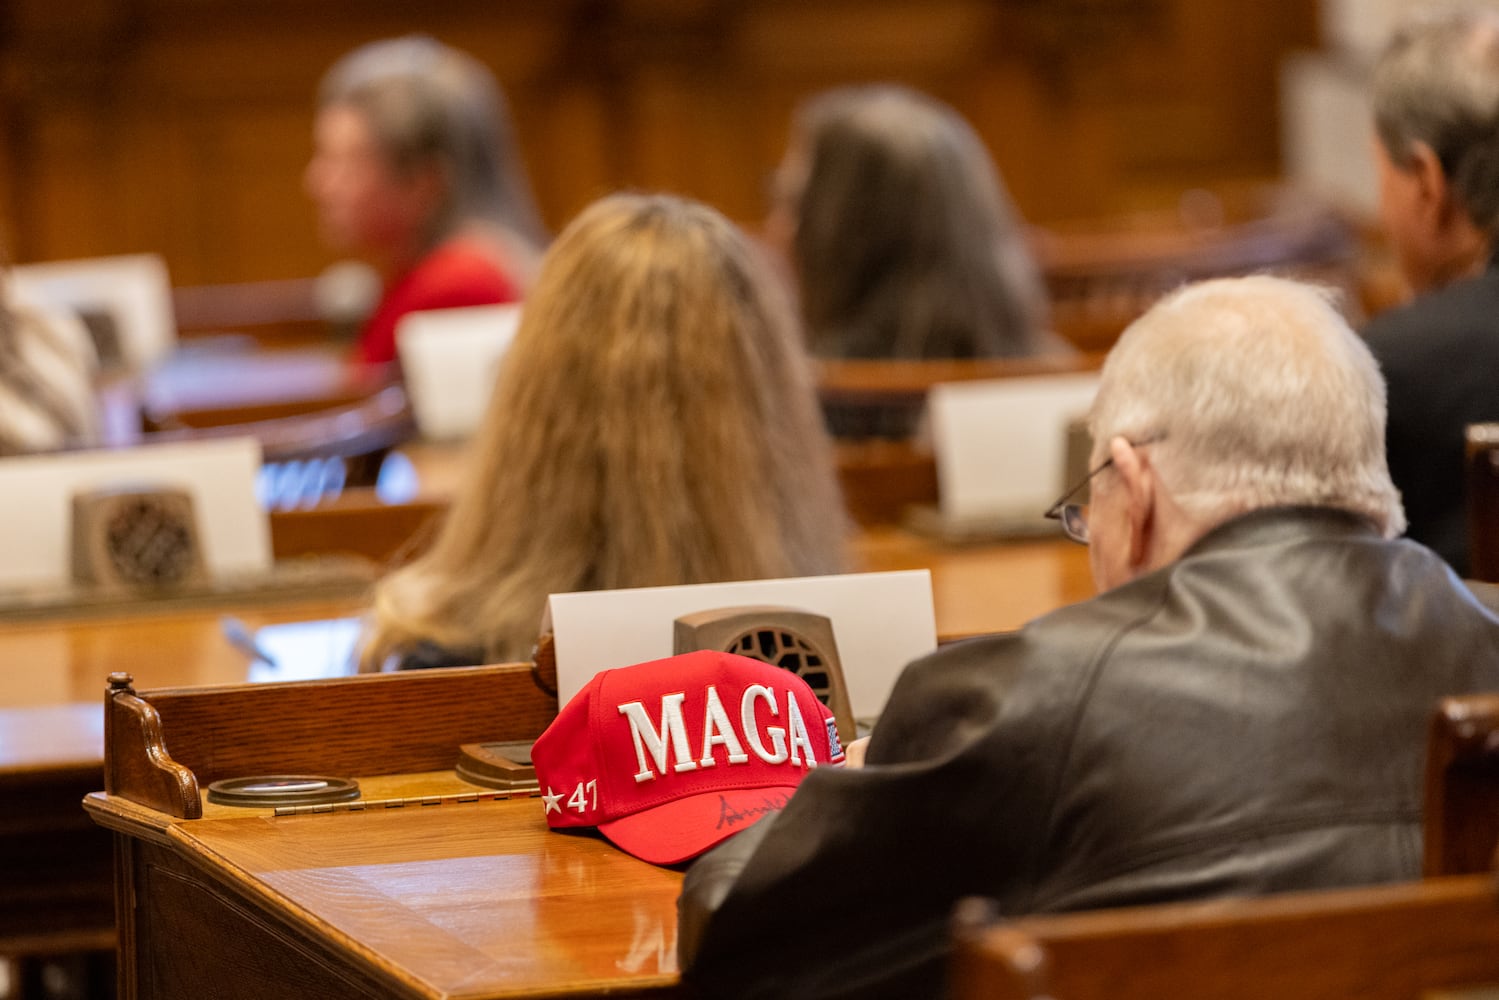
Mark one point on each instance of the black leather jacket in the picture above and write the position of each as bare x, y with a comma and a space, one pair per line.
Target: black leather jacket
1249, 719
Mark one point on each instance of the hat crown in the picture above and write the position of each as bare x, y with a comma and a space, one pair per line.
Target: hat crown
696, 725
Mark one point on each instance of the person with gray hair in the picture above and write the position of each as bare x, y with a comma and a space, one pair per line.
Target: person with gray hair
1436, 110
416, 169
1241, 710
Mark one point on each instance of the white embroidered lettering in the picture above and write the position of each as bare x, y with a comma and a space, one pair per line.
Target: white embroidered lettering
752, 731
719, 731
798, 732
648, 738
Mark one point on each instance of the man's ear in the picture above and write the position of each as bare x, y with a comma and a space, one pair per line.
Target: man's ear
1138, 479
1433, 192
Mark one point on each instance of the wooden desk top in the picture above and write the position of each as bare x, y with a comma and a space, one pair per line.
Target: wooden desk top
50, 739
983, 587
988, 587
437, 467
465, 900
56, 662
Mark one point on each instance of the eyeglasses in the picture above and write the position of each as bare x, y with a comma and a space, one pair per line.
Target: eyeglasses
1074, 516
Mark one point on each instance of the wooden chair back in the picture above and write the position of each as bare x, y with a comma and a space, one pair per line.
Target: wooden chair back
1461, 809
357, 523
907, 382
1102, 276
161, 747
320, 453
881, 478
282, 313
1436, 938
1482, 474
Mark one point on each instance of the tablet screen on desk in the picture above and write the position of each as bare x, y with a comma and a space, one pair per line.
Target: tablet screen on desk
299, 651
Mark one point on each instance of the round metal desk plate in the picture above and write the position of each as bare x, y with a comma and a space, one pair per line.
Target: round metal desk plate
267, 790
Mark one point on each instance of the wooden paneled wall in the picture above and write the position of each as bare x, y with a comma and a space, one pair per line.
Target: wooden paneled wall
183, 125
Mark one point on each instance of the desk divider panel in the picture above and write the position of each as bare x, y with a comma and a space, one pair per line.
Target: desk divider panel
1433, 939
906, 381
367, 725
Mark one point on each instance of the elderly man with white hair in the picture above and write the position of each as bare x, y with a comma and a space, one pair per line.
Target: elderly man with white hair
1241, 710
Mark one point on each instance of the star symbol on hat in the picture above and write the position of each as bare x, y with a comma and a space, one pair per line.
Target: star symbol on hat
551, 799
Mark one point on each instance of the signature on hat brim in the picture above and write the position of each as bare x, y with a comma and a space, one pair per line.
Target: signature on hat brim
684, 828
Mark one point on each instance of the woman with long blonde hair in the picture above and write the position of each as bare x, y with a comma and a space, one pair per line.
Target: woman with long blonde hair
655, 423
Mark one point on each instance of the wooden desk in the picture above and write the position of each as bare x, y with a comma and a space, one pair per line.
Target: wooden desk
454, 899
201, 386
983, 587
54, 865
437, 468
475, 900
980, 588
56, 662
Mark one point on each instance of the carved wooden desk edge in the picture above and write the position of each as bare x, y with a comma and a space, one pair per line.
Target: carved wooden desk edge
165, 861
137, 765
162, 745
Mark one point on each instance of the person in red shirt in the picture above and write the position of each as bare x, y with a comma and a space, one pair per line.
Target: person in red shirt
415, 170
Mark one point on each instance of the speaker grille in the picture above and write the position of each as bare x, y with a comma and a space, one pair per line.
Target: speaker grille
789, 651
148, 543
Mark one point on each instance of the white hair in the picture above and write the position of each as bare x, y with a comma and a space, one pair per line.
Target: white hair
1259, 395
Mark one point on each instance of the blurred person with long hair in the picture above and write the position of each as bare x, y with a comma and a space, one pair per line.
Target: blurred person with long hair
654, 423
903, 239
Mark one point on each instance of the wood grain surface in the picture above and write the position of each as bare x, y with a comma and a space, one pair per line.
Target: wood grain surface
977, 588
55, 662
373, 724
475, 900
461, 900
1393, 942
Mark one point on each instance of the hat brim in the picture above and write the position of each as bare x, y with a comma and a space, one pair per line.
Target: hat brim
683, 828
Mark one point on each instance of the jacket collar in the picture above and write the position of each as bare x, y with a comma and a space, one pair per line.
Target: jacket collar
1277, 525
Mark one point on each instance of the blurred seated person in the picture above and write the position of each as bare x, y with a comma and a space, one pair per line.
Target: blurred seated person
47, 367
415, 169
1241, 710
654, 423
903, 240
1436, 104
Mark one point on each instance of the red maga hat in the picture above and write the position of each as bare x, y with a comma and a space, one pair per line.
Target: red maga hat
670, 757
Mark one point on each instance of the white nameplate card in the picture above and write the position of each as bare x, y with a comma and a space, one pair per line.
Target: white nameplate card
36, 505
450, 359
1001, 445
881, 622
